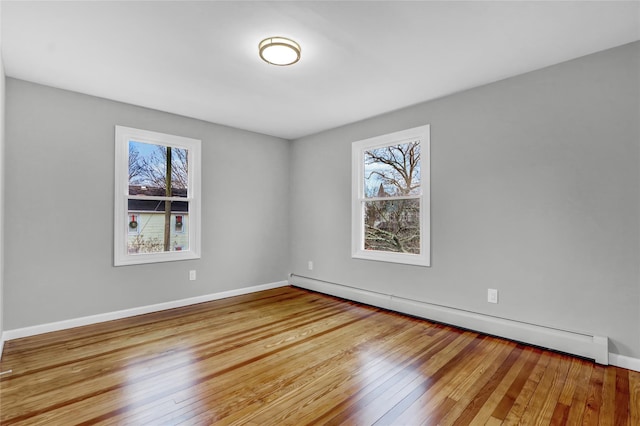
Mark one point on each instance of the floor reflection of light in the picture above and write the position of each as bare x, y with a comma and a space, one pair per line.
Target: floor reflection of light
392, 376
159, 384
372, 365
376, 364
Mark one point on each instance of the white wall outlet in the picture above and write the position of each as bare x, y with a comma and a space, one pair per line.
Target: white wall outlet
192, 275
492, 295
310, 265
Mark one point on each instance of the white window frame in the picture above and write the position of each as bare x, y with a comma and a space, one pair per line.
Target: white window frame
123, 135
358, 148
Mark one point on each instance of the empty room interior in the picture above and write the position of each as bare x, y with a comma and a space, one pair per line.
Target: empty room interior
344, 212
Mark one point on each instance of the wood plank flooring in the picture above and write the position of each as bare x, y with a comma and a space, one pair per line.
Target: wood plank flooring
292, 357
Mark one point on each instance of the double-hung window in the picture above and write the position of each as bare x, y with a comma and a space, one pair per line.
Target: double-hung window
390, 198
157, 197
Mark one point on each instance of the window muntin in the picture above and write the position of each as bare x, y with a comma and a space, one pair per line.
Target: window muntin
390, 212
157, 184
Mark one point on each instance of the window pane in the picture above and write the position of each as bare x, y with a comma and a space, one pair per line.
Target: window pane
148, 224
148, 170
392, 225
392, 170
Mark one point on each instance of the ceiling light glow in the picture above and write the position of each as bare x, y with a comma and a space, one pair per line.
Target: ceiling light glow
279, 51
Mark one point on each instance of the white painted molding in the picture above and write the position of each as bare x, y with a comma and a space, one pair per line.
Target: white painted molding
123, 136
624, 362
358, 148
588, 346
2, 337
109, 316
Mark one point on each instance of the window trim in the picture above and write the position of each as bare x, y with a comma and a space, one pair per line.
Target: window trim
123, 135
358, 148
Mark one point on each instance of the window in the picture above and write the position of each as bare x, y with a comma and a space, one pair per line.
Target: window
390, 201
157, 197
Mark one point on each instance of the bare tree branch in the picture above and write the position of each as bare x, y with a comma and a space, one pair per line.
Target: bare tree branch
154, 168
393, 225
136, 168
403, 161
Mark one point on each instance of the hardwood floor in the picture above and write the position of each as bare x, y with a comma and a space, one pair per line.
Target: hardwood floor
288, 356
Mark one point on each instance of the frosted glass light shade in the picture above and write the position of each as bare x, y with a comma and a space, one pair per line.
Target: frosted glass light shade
279, 51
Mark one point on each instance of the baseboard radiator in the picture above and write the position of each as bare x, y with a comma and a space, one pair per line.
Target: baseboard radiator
583, 345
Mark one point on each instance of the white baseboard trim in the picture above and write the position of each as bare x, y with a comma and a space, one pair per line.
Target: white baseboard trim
588, 346
2, 337
624, 362
109, 316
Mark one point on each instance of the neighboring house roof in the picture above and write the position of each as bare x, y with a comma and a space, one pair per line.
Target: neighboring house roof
156, 205
156, 191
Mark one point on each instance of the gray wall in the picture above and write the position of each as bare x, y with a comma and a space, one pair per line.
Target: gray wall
59, 209
2, 103
535, 192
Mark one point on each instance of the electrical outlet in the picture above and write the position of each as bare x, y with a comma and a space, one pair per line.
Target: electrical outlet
492, 295
192, 275
310, 265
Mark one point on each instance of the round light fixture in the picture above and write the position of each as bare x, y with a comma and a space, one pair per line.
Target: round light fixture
279, 51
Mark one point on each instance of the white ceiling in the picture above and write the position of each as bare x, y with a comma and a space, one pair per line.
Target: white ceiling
359, 59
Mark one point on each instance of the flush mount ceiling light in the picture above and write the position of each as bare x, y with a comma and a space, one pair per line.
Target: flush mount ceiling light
279, 51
